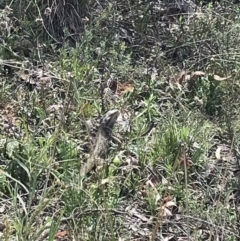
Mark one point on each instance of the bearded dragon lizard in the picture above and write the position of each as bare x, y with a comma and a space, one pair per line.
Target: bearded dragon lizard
104, 133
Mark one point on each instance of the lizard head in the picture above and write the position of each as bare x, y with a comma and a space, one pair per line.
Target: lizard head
109, 119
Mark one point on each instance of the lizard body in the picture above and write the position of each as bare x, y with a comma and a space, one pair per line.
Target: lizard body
104, 133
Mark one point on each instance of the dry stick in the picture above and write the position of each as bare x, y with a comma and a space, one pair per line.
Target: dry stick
186, 187
102, 97
158, 222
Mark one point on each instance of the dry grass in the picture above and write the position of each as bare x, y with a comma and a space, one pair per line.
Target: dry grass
171, 169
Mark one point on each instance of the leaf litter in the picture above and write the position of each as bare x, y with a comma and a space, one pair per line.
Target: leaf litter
133, 211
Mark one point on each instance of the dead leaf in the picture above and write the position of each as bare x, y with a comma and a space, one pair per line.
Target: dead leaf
186, 75
44, 80
132, 161
218, 153
168, 238
38, 73
167, 212
164, 180
180, 77
188, 162
104, 181
197, 73
53, 108
61, 234
125, 88
9, 113
199, 101
170, 204
182, 239
168, 198
218, 78
2, 208
24, 75
154, 75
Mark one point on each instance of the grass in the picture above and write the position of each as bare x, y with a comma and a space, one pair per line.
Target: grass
171, 170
